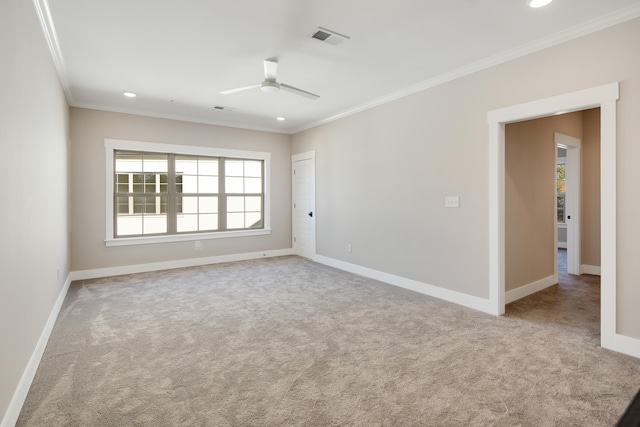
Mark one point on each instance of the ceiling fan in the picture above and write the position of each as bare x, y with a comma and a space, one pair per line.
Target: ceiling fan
270, 84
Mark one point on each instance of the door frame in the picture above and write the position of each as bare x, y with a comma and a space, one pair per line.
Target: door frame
309, 155
572, 201
605, 97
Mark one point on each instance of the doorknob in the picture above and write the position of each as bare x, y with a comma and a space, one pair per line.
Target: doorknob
310, 214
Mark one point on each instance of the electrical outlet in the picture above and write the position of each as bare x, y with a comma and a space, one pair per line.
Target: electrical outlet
349, 247
198, 245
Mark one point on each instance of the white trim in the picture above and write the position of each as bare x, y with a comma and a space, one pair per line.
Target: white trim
169, 238
531, 288
588, 27
304, 156
181, 263
111, 145
459, 298
605, 97
20, 394
50, 35
562, 245
627, 345
590, 269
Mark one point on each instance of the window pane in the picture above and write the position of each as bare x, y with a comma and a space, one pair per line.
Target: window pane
129, 225
208, 222
149, 205
235, 204
122, 183
189, 204
207, 166
138, 205
253, 204
253, 185
187, 223
234, 185
149, 183
253, 220
123, 204
138, 180
235, 220
189, 184
252, 168
155, 162
179, 183
234, 168
187, 165
208, 205
207, 184
128, 162
154, 224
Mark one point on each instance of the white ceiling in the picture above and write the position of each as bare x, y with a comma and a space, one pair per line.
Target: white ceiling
189, 51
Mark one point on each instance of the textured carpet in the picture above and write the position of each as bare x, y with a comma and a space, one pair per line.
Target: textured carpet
285, 341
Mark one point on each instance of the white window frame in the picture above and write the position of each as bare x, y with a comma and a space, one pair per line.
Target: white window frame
112, 145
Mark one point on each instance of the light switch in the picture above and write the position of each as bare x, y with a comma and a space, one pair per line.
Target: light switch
452, 202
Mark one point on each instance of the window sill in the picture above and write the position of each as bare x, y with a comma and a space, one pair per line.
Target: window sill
129, 241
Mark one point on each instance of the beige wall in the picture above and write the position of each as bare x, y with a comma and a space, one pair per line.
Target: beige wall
382, 174
89, 128
590, 196
34, 243
529, 196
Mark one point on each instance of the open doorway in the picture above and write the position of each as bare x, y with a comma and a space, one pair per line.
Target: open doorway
604, 97
569, 187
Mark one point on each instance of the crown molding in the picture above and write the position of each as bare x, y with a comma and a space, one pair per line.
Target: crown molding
50, 35
584, 29
156, 115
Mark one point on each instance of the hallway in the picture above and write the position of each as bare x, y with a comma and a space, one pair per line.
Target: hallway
573, 302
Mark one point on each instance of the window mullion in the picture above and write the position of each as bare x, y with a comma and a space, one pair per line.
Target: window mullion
172, 199
222, 197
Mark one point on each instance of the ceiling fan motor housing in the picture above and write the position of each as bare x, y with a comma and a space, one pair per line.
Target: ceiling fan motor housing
269, 86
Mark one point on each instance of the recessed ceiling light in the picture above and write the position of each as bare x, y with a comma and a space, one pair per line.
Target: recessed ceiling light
129, 94
281, 119
538, 3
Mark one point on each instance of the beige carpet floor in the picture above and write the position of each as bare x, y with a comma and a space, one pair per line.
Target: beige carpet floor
285, 341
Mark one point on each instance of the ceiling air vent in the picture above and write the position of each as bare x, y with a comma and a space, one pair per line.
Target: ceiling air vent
328, 36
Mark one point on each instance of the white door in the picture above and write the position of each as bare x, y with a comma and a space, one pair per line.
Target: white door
304, 204
572, 200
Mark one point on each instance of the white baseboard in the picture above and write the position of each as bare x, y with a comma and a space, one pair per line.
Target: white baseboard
20, 394
167, 265
590, 269
531, 288
455, 297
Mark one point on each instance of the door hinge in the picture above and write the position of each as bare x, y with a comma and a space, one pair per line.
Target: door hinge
294, 240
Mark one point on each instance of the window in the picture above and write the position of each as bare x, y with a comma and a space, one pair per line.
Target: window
160, 192
560, 184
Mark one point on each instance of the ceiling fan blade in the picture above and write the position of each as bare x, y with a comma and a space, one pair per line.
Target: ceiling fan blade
299, 91
238, 89
270, 69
